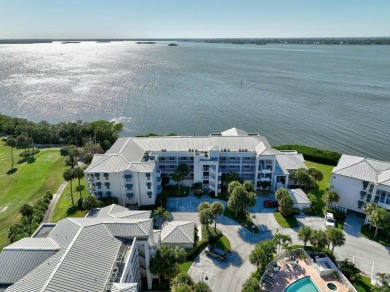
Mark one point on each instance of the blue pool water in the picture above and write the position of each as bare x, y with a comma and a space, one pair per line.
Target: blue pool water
302, 285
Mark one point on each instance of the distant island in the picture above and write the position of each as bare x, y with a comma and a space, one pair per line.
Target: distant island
145, 43
99, 42
68, 42
173, 45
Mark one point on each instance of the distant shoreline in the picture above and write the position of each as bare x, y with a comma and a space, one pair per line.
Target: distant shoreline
241, 41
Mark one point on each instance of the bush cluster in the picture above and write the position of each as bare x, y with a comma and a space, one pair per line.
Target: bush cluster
29, 152
314, 154
21, 229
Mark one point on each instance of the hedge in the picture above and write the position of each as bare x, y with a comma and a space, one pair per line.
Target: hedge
314, 154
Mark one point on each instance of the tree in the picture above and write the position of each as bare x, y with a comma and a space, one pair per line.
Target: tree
302, 177
206, 217
262, 254
27, 211
265, 185
217, 209
180, 280
72, 152
280, 193
69, 176
331, 197
197, 188
162, 213
230, 177
166, 261
78, 173
204, 205
240, 199
201, 287
382, 283
349, 270
248, 186
251, 285
304, 234
282, 240
335, 237
285, 205
316, 174
318, 239
22, 141
232, 185
180, 173
380, 219
90, 202
88, 158
11, 142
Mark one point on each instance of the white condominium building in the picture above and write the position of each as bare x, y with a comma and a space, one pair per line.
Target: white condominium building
133, 168
360, 180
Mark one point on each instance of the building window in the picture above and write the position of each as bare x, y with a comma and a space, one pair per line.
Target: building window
97, 175
172, 166
107, 184
232, 158
172, 158
129, 187
149, 194
222, 158
130, 195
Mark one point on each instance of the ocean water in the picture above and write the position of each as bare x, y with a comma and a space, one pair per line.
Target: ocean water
333, 97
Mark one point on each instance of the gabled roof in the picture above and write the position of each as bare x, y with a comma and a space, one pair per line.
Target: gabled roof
288, 162
299, 196
116, 211
234, 132
364, 169
77, 255
124, 287
178, 232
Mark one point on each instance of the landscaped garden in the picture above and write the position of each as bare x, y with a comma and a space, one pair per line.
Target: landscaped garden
28, 182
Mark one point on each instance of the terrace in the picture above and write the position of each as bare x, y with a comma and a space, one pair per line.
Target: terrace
290, 267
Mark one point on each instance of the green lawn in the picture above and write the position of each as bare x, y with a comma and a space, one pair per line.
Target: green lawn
364, 284
64, 207
289, 222
247, 223
322, 185
25, 185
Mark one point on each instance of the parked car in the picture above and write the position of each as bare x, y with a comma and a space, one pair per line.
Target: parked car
329, 220
270, 203
215, 252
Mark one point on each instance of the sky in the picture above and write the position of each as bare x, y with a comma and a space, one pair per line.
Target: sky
193, 18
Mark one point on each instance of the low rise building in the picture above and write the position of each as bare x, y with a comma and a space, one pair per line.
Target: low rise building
360, 180
178, 234
108, 251
132, 170
300, 199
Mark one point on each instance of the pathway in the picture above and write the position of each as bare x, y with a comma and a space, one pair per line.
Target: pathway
53, 203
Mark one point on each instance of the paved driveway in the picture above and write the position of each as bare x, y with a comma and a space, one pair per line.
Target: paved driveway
230, 275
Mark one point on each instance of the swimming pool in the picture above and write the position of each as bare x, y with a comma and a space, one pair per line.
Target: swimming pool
302, 285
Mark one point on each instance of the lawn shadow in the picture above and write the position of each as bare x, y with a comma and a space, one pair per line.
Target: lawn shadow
12, 171
23, 160
31, 160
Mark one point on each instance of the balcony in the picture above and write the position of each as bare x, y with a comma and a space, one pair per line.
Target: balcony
159, 180
265, 170
158, 172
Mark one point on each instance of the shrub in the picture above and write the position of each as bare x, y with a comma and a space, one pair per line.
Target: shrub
296, 211
31, 152
338, 215
308, 210
49, 194
314, 154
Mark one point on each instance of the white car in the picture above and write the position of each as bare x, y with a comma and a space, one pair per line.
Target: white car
329, 220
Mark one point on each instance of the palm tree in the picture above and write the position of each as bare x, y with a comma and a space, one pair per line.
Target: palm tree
78, 173
217, 209
335, 237
68, 175
27, 211
11, 142
304, 234
331, 197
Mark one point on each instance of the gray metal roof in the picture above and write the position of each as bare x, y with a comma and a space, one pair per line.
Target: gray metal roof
288, 162
299, 196
88, 249
29, 243
364, 169
178, 232
234, 132
15, 264
124, 287
116, 211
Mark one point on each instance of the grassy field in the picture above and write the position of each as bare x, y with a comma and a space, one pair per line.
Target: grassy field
64, 207
289, 222
27, 183
364, 284
322, 185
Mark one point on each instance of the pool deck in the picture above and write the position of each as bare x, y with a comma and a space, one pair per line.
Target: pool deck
288, 274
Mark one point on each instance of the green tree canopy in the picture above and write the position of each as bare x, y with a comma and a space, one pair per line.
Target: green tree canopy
27, 211
262, 254
240, 199
330, 197
68, 175
316, 174
197, 188
206, 217
180, 173
11, 142
318, 239
162, 214
304, 234
251, 285
285, 205
302, 177
335, 237
166, 261
217, 209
